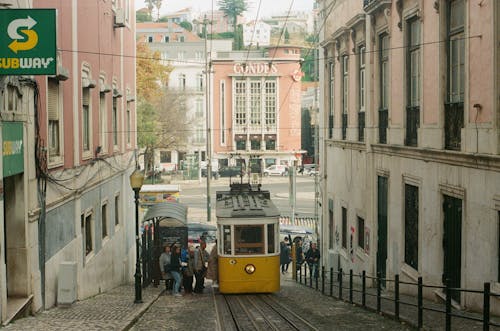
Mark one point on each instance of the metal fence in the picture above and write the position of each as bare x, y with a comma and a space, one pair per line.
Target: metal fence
343, 286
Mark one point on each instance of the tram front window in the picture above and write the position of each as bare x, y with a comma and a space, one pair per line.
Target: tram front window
249, 239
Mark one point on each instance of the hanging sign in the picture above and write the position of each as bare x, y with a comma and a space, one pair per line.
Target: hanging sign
28, 42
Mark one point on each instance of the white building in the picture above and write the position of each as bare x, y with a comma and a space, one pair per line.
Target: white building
256, 34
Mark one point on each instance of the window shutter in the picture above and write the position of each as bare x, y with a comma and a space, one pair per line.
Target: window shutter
52, 99
85, 96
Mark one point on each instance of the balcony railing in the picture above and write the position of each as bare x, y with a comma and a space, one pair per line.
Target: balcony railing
383, 123
361, 126
375, 3
412, 124
344, 126
453, 123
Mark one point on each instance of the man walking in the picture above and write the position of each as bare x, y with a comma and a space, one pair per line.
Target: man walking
312, 259
200, 267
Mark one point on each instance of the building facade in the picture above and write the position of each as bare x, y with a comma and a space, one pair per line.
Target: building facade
185, 53
256, 107
256, 34
68, 200
411, 141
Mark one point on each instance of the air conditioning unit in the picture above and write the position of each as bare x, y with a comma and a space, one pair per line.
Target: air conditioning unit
119, 18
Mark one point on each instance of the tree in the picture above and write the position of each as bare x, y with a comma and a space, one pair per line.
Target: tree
232, 9
186, 25
287, 36
150, 5
151, 74
157, 4
141, 16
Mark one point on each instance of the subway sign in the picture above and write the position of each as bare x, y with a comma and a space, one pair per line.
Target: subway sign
28, 42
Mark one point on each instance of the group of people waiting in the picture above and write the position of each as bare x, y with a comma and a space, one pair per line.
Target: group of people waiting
312, 256
188, 265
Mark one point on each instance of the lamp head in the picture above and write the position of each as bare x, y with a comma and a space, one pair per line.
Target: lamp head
136, 179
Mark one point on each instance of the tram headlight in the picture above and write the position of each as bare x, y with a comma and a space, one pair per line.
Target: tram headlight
250, 269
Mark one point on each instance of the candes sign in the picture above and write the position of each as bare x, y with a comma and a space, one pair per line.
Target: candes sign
28, 42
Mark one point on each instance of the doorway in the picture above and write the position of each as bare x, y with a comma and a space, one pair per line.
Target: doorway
382, 227
452, 243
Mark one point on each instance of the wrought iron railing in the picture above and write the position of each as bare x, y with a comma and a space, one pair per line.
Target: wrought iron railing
344, 126
383, 123
355, 289
361, 126
453, 123
412, 125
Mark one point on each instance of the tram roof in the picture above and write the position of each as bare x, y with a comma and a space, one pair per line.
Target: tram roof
243, 201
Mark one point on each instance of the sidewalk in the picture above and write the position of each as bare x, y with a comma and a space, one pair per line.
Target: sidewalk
112, 310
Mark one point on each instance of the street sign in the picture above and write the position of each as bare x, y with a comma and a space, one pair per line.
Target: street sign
28, 42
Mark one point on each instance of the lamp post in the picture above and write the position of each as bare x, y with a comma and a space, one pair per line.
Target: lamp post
136, 180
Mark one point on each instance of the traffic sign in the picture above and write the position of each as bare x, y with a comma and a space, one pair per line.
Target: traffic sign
28, 42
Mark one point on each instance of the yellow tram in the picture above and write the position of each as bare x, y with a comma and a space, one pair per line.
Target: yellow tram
248, 245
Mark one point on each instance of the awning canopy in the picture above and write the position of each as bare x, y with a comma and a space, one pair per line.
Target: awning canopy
174, 213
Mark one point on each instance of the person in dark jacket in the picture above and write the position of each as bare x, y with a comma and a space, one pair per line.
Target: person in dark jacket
312, 259
175, 269
284, 255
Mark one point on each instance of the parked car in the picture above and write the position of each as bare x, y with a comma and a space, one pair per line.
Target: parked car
215, 173
233, 171
276, 169
310, 169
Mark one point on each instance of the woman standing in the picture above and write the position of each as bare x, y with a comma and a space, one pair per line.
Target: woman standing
175, 269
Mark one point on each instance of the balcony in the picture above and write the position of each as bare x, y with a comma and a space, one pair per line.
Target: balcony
330, 126
344, 126
371, 6
361, 126
453, 123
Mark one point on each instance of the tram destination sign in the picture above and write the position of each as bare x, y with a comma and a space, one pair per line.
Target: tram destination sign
28, 42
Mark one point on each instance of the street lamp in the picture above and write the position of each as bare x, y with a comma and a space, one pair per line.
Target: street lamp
136, 180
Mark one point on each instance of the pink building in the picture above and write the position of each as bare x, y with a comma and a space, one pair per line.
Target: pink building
256, 106
66, 207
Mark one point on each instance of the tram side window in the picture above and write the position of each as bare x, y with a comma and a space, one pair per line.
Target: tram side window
271, 247
227, 239
249, 239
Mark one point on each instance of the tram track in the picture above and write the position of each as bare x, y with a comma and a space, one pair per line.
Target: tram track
257, 312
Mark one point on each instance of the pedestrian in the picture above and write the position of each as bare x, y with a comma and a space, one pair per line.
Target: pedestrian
188, 272
312, 259
284, 255
200, 267
299, 253
164, 265
213, 268
175, 269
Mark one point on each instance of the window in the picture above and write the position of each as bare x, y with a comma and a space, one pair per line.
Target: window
181, 39
103, 117
498, 275
86, 119
182, 81
241, 145
88, 234
226, 239
128, 123
104, 220
383, 113
117, 209
199, 136
255, 103
413, 85
240, 98
223, 112
13, 99
165, 156
114, 119
331, 229
331, 92
361, 233
255, 144
150, 39
345, 94
362, 92
411, 226
270, 102
199, 82
167, 39
344, 228
454, 107
199, 108
270, 144
271, 242
54, 130
249, 239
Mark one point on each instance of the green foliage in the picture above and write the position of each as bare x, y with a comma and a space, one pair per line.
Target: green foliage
186, 25
146, 124
309, 65
142, 17
233, 8
287, 36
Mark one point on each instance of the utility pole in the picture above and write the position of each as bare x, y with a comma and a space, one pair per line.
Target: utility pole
208, 67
